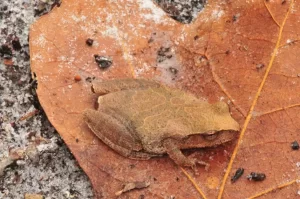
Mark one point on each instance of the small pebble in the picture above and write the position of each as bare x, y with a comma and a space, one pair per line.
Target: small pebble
5, 51
89, 42
20, 162
259, 66
77, 78
239, 172
173, 70
256, 176
16, 44
295, 145
103, 62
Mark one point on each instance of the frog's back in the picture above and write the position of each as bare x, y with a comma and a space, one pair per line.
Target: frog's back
150, 109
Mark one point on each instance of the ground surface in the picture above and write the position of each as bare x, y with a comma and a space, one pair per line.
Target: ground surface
33, 158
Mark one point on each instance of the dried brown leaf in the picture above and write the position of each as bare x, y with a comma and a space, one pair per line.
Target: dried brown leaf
232, 39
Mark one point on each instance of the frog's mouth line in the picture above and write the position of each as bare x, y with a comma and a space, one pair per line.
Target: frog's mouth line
208, 140
210, 137
220, 137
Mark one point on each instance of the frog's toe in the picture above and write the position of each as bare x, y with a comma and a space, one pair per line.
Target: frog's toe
193, 162
204, 164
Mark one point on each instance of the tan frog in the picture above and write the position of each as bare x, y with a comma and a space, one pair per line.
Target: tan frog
141, 119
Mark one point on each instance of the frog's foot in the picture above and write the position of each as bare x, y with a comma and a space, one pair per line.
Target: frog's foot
177, 156
197, 161
194, 162
115, 85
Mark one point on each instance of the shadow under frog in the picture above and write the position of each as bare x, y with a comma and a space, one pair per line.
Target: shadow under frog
141, 119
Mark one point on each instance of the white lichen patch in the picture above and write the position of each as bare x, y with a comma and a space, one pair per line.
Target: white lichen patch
78, 18
155, 13
111, 32
216, 14
40, 41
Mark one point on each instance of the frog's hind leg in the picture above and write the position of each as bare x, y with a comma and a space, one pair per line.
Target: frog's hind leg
139, 155
115, 85
116, 133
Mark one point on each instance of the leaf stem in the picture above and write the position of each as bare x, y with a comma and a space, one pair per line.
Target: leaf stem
272, 189
194, 183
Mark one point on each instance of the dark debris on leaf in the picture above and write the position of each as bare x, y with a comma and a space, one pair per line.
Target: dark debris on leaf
295, 145
89, 42
103, 62
174, 71
239, 172
256, 176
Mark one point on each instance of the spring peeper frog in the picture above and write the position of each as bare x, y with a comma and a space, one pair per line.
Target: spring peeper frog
141, 119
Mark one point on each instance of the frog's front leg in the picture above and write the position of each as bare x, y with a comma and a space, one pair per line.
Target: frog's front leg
115, 85
174, 152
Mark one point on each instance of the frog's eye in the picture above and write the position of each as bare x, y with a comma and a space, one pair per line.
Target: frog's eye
210, 137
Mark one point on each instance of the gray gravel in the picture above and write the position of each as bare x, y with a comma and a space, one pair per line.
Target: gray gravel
183, 11
33, 158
